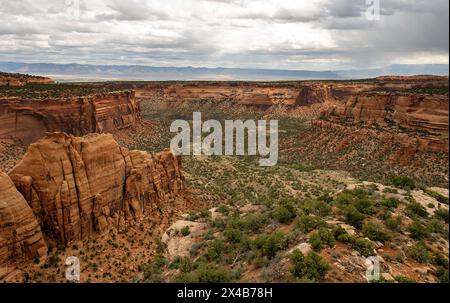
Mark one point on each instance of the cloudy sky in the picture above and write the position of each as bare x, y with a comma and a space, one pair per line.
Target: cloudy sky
288, 34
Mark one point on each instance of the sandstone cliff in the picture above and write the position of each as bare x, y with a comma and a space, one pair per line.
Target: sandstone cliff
81, 186
20, 233
263, 95
29, 119
425, 116
8, 79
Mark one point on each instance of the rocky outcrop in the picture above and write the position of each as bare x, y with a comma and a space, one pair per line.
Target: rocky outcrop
412, 78
8, 79
257, 96
410, 144
311, 94
78, 187
263, 95
421, 116
27, 120
20, 233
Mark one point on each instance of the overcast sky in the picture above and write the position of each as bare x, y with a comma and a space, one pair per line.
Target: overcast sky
284, 34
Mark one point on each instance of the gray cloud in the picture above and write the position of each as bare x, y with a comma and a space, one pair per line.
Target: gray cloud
293, 34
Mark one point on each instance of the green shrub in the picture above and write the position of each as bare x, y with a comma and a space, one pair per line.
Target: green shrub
318, 208
326, 198
233, 235
270, 244
442, 275
312, 267
215, 250
185, 231
420, 253
436, 226
254, 222
437, 196
306, 223
354, 217
205, 273
418, 230
441, 214
194, 216
321, 238
416, 209
403, 279
223, 209
393, 223
181, 263
375, 232
338, 231
440, 260
349, 197
364, 206
364, 247
152, 271
403, 182
390, 203
283, 214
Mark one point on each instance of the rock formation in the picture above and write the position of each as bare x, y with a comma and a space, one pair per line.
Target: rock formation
8, 79
263, 95
20, 233
29, 119
311, 94
81, 186
422, 117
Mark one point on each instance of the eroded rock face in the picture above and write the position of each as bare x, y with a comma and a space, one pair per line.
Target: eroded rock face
81, 186
292, 94
29, 119
426, 113
20, 233
9, 79
311, 94
424, 117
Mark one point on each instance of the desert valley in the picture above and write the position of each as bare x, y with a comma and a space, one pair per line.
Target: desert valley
86, 171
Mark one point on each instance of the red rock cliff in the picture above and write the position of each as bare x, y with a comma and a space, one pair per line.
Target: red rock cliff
20, 234
423, 113
28, 120
21, 79
417, 121
81, 186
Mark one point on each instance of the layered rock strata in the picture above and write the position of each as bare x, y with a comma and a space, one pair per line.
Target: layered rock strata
8, 79
419, 120
81, 186
27, 120
20, 233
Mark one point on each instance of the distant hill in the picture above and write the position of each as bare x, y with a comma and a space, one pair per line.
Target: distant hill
85, 72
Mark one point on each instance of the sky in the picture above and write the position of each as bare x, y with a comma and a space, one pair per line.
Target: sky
279, 34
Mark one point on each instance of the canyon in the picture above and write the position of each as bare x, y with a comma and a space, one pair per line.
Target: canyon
263, 95
86, 172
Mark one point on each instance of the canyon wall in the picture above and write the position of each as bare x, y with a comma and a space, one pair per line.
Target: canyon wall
20, 233
263, 95
73, 188
422, 117
427, 113
8, 79
253, 95
29, 119
80, 186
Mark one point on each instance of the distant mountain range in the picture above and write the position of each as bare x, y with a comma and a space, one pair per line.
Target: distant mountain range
86, 72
